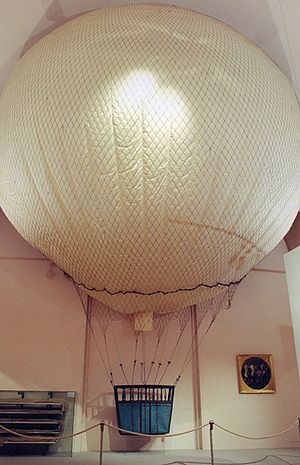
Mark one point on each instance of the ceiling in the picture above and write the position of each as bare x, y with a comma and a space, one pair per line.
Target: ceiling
273, 25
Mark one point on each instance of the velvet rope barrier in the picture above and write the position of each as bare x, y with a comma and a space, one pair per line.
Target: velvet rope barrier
211, 422
102, 424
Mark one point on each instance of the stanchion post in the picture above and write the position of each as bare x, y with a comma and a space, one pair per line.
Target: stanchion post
101, 442
211, 427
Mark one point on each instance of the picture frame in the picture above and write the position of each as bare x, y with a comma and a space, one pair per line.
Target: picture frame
255, 374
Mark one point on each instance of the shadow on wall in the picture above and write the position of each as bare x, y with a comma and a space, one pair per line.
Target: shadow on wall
53, 14
288, 347
102, 408
41, 317
292, 238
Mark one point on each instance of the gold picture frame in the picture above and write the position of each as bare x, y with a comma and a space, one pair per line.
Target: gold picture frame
255, 374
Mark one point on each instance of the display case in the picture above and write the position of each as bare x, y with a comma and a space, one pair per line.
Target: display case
39, 418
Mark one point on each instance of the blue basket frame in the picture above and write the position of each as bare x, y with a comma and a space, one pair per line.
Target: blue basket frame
144, 408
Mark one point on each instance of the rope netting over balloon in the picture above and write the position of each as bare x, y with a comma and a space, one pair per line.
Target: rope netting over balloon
152, 341
149, 151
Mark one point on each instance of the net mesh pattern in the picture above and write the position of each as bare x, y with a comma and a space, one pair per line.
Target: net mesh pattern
155, 321
150, 152
151, 356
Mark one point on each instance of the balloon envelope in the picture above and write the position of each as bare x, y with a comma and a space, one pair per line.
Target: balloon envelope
151, 152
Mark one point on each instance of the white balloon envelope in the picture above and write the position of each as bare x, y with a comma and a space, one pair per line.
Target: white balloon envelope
151, 152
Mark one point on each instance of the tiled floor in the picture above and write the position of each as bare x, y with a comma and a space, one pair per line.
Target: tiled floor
228, 457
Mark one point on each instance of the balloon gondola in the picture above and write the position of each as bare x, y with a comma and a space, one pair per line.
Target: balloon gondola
144, 409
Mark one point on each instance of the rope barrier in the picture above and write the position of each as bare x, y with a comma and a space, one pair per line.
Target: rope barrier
157, 435
54, 439
260, 437
252, 462
210, 423
39, 438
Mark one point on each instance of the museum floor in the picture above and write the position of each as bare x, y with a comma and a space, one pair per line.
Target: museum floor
221, 457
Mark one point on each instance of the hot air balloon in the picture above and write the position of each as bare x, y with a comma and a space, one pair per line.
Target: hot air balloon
152, 153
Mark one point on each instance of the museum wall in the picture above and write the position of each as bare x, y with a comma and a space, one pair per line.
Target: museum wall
43, 344
43, 324
292, 265
259, 322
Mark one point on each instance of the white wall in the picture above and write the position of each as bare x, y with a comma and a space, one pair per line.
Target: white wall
43, 341
259, 322
292, 264
41, 322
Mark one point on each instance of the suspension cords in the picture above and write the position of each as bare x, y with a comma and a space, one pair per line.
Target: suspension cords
88, 319
161, 356
157, 371
150, 369
124, 374
187, 356
172, 355
133, 371
153, 359
164, 372
116, 345
177, 343
142, 372
107, 354
188, 359
108, 371
165, 338
134, 359
143, 365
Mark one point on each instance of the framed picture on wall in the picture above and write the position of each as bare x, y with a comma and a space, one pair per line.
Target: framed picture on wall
255, 374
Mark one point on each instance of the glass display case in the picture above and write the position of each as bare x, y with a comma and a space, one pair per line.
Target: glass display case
38, 418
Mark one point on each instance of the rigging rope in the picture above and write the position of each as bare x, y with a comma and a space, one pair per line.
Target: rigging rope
107, 355
144, 358
182, 328
153, 359
133, 368
88, 319
149, 372
124, 374
105, 316
157, 371
164, 372
187, 360
173, 291
116, 345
